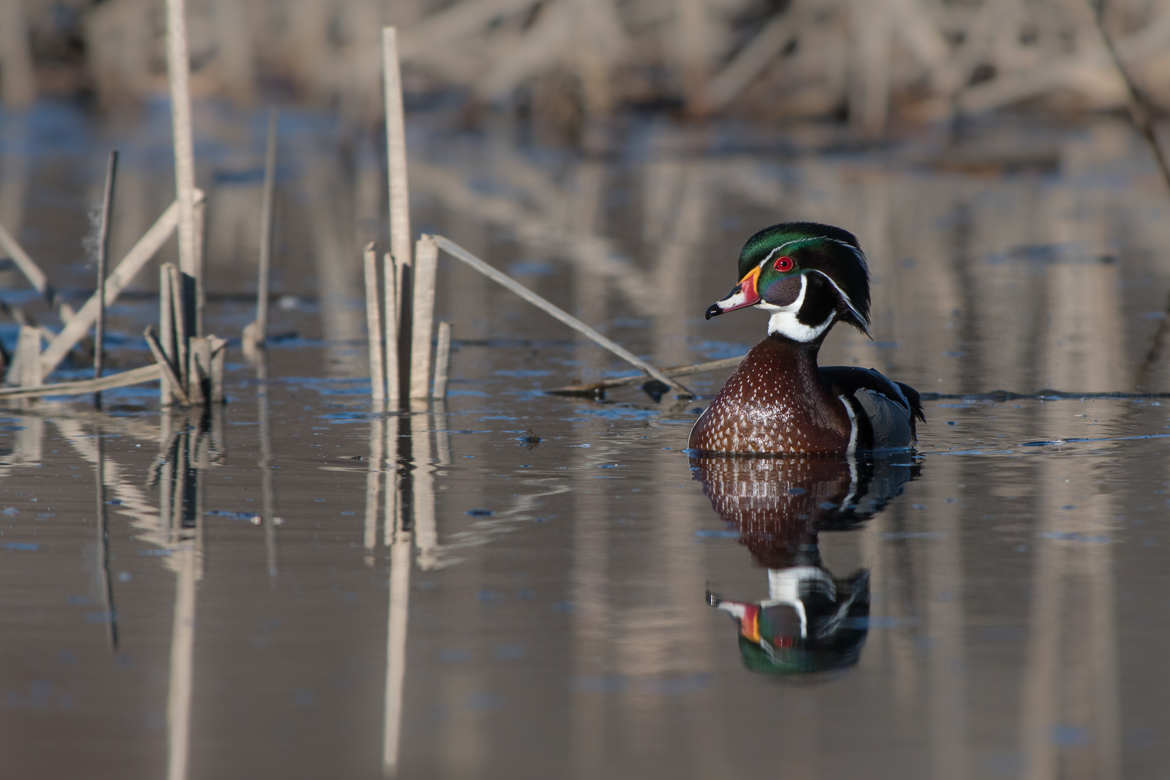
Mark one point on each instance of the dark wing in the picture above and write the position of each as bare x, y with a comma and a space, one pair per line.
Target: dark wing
914, 399
849, 380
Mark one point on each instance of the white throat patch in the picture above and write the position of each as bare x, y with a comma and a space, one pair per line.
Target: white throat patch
784, 322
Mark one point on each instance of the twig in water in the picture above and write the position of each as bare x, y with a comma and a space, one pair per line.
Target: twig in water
461, 254
595, 388
134, 376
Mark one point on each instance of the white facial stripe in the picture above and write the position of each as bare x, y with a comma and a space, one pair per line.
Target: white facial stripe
777, 250
786, 324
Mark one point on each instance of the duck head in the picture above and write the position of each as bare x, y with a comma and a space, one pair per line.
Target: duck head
807, 275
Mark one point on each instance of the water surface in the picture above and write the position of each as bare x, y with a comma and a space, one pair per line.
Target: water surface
511, 584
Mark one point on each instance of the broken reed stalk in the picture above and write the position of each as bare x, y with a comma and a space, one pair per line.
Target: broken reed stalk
395, 149
200, 292
174, 316
134, 376
103, 247
166, 324
592, 388
461, 254
374, 325
1141, 109
260, 334
442, 359
426, 257
392, 280
178, 71
399, 203
199, 370
179, 323
28, 347
218, 357
127, 268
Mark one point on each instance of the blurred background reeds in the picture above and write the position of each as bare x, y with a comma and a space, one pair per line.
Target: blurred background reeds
878, 65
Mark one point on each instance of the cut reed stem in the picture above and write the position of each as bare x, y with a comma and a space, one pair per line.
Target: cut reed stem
260, 332
374, 325
396, 149
426, 255
399, 204
442, 360
391, 283
178, 71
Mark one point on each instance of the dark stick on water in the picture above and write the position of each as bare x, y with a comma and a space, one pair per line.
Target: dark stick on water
1141, 109
99, 338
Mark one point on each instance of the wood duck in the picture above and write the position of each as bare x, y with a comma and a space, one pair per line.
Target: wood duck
807, 276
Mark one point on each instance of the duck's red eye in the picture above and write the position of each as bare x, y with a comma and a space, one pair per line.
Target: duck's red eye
784, 264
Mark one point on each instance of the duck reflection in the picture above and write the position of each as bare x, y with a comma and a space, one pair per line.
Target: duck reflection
811, 620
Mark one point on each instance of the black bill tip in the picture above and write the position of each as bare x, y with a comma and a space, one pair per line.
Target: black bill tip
713, 311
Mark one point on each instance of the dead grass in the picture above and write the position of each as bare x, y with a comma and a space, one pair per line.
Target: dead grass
566, 61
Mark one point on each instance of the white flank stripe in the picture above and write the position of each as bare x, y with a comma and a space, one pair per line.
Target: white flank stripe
852, 448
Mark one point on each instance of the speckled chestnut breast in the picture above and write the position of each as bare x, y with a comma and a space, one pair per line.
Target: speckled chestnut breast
775, 403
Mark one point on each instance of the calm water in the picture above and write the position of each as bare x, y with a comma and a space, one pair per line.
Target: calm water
511, 584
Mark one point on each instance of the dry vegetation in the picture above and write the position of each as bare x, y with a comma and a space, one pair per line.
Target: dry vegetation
876, 63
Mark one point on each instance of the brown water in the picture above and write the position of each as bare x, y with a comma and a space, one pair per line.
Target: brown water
511, 584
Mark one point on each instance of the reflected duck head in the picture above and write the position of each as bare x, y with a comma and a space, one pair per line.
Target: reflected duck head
810, 621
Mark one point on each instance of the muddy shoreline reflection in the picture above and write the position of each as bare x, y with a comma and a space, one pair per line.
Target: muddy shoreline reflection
811, 621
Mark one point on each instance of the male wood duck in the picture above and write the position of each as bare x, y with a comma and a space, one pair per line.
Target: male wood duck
807, 276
